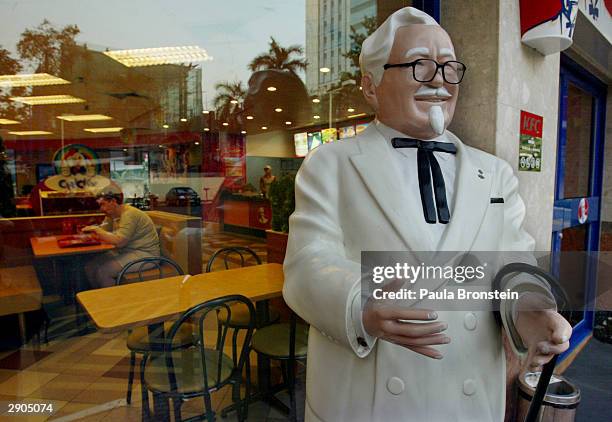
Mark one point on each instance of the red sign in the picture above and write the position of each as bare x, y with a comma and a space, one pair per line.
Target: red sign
534, 13
531, 124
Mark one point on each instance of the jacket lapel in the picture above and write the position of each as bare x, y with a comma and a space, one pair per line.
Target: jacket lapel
375, 165
471, 199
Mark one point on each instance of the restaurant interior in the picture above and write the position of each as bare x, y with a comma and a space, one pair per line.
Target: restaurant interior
179, 109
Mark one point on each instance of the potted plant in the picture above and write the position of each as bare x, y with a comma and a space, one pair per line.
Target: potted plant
282, 202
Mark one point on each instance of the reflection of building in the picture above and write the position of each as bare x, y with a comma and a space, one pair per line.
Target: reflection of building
328, 30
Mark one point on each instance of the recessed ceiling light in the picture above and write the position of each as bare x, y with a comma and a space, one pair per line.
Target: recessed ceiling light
165, 126
278, 109
287, 122
103, 129
31, 132
183, 119
161, 146
350, 109
84, 117
159, 55
225, 124
124, 149
316, 100
205, 111
250, 117
47, 99
36, 79
360, 88
197, 143
8, 122
206, 129
271, 88
234, 101
264, 127
243, 132
324, 70
316, 116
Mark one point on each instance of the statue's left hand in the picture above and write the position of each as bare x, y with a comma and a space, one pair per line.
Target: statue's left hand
543, 330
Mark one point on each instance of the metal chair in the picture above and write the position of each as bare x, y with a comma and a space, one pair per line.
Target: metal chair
139, 270
204, 367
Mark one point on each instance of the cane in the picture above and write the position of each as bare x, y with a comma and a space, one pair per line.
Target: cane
560, 296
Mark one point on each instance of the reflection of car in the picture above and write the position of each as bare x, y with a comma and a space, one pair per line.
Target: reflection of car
182, 196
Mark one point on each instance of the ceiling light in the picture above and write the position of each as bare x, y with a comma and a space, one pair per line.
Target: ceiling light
47, 99
205, 111
124, 149
36, 79
103, 129
360, 88
183, 119
234, 101
250, 117
31, 132
287, 122
165, 126
206, 129
197, 143
350, 109
278, 109
316, 116
264, 127
225, 124
243, 132
352, 116
161, 146
158, 56
8, 122
316, 100
84, 117
325, 70
271, 88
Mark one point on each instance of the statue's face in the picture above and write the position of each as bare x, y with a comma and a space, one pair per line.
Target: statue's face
406, 104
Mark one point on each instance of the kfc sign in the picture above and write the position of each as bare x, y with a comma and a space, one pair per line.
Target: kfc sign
548, 25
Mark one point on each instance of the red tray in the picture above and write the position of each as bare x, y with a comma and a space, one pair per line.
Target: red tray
77, 240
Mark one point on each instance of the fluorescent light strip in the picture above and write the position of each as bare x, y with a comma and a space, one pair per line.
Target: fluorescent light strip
84, 117
8, 122
103, 129
31, 133
352, 116
47, 100
159, 56
35, 79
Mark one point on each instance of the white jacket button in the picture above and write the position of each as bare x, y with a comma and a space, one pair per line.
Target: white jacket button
395, 385
470, 321
469, 387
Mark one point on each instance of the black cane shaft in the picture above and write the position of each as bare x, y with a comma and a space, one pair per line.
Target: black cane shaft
540, 392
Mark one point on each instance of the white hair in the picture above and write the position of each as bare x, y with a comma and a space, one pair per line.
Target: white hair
376, 48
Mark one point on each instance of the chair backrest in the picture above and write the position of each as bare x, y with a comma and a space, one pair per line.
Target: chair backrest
238, 255
149, 268
217, 366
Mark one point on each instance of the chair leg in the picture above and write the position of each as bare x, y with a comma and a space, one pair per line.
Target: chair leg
176, 404
234, 346
131, 377
210, 415
291, 382
146, 414
247, 388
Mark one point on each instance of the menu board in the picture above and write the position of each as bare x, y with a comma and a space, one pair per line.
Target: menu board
329, 135
301, 144
347, 131
361, 127
314, 140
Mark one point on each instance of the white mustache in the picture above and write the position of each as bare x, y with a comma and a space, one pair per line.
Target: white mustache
425, 91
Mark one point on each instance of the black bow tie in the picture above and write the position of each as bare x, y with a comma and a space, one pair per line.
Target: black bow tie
427, 167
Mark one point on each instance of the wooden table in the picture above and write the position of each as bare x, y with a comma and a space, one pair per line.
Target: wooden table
47, 247
152, 302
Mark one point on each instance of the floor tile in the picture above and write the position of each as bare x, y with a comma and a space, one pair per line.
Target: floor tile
65, 387
25, 383
105, 389
122, 369
22, 359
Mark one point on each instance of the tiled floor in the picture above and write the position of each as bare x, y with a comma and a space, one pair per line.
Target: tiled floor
85, 377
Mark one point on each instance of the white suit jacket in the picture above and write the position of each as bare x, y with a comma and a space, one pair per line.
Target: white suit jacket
346, 202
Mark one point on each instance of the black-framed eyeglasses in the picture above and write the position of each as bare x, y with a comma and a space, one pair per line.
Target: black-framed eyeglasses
425, 70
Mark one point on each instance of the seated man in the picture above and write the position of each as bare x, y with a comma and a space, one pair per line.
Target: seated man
126, 227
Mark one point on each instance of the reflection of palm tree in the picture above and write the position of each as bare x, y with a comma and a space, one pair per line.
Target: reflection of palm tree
228, 99
280, 58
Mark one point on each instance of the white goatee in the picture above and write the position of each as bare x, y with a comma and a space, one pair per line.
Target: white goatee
436, 119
